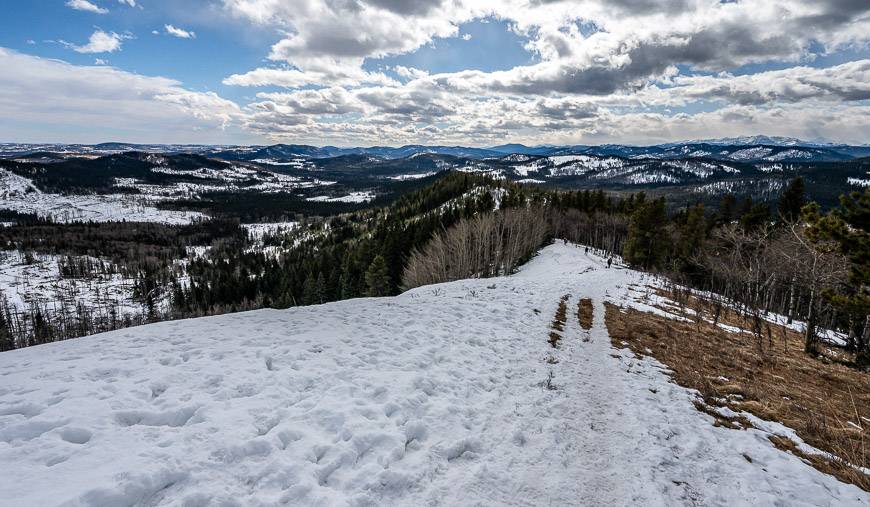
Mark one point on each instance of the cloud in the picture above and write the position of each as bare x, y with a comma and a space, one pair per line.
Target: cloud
179, 32
84, 5
294, 78
105, 102
600, 67
410, 72
599, 70
100, 42
848, 82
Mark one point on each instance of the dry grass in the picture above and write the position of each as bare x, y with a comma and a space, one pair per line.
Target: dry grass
559, 319
825, 402
584, 313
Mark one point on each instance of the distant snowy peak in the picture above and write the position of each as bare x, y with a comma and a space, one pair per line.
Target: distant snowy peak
758, 140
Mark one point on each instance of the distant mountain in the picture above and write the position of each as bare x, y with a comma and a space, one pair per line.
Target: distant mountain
285, 152
744, 149
509, 149
751, 140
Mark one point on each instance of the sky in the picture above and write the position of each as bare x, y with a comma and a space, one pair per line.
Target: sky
456, 72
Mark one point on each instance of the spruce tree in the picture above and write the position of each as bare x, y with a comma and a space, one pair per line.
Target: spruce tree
727, 208
309, 290
377, 278
692, 234
792, 201
849, 227
646, 242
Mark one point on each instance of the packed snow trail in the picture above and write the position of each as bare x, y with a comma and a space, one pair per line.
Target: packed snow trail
435, 397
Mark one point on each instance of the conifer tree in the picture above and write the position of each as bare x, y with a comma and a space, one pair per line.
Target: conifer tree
377, 278
692, 234
645, 245
792, 201
849, 227
727, 208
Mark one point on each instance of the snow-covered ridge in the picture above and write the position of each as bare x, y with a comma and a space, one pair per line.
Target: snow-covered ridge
436, 397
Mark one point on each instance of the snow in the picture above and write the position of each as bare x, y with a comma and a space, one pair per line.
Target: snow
19, 194
859, 182
533, 166
356, 197
232, 179
575, 165
644, 178
298, 163
406, 177
756, 152
258, 231
41, 284
434, 397
789, 154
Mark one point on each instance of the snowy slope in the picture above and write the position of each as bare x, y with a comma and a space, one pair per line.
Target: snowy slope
20, 194
435, 397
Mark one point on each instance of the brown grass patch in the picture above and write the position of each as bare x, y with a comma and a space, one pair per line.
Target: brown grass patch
584, 313
826, 403
559, 321
561, 314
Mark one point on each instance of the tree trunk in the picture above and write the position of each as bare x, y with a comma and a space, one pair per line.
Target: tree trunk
810, 345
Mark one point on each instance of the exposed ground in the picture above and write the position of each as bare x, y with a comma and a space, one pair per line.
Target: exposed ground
824, 402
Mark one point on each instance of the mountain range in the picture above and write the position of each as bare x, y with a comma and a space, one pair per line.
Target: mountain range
745, 149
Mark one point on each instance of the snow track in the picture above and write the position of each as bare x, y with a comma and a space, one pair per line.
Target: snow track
435, 397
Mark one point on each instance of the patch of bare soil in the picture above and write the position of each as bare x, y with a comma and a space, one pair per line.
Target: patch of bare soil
584, 313
825, 402
558, 325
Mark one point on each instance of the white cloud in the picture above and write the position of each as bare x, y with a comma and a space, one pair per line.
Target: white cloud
603, 70
179, 32
294, 78
410, 72
84, 5
100, 42
102, 102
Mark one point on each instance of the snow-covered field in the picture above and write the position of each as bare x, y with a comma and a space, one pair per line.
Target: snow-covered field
406, 177
356, 197
435, 397
19, 194
40, 284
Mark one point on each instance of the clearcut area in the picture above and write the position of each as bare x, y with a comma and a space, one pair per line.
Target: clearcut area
449, 394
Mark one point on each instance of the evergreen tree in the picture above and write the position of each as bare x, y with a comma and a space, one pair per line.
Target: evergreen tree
792, 201
753, 216
320, 288
377, 278
309, 290
849, 228
692, 234
646, 243
6, 340
727, 208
